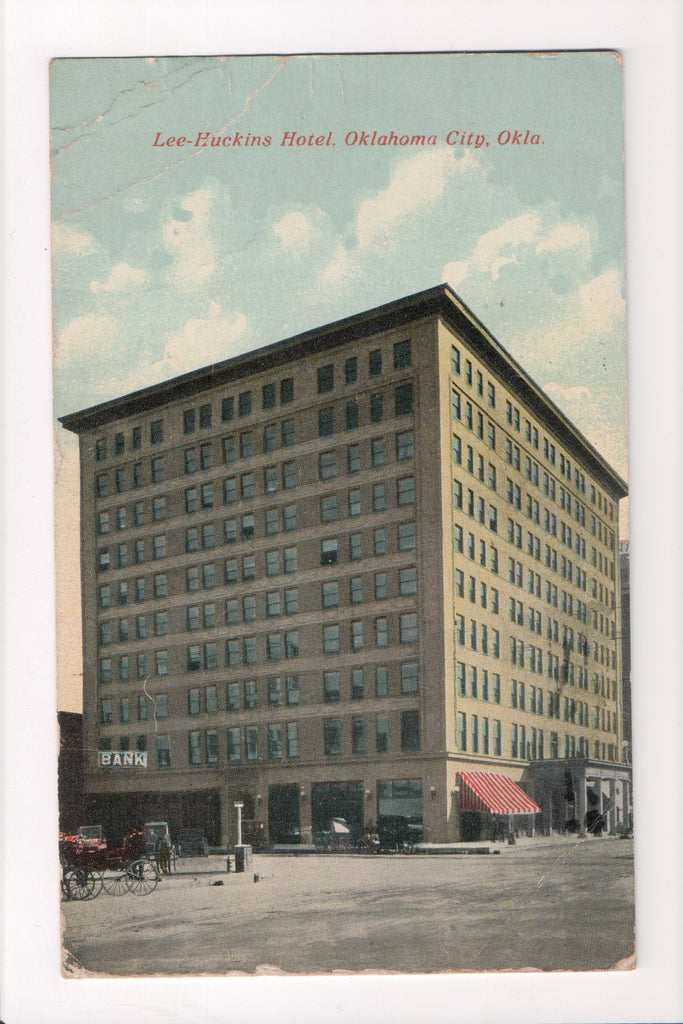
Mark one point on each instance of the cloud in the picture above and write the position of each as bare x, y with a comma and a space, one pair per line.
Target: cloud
560, 394
416, 183
512, 242
338, 270
123, 278
74, 243
85, 337
189, 239
295, 231
601, 303
203, 340
566, 236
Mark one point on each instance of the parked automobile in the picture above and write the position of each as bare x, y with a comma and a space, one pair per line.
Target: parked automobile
192, 842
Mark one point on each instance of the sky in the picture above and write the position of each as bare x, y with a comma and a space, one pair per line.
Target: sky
168, 257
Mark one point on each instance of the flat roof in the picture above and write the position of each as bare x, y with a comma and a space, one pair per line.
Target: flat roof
438, 301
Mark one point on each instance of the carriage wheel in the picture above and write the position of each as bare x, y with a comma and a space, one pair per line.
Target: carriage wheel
81, 884
141, 878
115, 885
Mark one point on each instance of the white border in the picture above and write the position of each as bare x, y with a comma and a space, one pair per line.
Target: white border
648, 32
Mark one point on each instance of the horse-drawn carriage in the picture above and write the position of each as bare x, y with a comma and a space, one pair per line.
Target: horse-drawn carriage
90, 865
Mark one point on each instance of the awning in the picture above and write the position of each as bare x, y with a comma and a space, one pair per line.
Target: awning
488, 791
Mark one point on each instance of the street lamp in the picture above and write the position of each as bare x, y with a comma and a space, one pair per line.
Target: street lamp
238, 807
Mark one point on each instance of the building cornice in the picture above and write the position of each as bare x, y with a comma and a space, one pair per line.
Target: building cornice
439, 301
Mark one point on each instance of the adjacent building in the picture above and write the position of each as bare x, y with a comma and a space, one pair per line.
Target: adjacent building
328, 577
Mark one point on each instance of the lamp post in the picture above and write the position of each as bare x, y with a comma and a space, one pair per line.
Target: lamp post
238, 807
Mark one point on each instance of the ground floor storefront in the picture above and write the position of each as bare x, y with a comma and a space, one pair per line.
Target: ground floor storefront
433, 802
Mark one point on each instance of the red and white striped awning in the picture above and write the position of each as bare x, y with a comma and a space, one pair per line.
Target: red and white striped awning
488, 791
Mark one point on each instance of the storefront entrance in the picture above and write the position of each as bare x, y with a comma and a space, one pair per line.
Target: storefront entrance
399, 812
331, 800
283, 814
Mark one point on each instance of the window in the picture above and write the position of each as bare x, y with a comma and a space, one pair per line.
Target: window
351, 370
331, 642
330, 595
246, 445
408, 627
325, 378
406, 491
156, 432
291, 601
191, 464
248, 567
357, 636
292, 690
325, 422
247, 487
375, 362
329, 510
355, 547
377, 454
408, 582
332, 738
274, 647
159, 546
287, 433
405, 446
382, 632
249, 650
252, 743
290, 518
160, 706
328, 552
191, 500
410, 730
331, 690
358, 736
192, 539
249, 608
234, 745
381, 681
268, 396
461, 731
379, 497
292, 739
402, 355
403, 400
409, 677
354, 503
206, 456
328, 466
380, 541
244, 403
376, 408
381, 586
356, 589
352, 415
357, 684
353, 459
232, 696
382, 734
406, 536
274, 692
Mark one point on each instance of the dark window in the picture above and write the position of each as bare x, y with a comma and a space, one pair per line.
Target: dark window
332, 738
228, 409
286, 390
189, 421
375, 362
325, 378
351, 415
376, 408
402, 355
119, 444
156, 432
351, 370
403, 398
325, 422
136, 438
244, 403
410, 730
268, 396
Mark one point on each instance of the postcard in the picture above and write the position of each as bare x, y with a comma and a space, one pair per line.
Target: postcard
342, 514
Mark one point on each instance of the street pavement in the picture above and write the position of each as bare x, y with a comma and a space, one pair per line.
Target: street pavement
545, 906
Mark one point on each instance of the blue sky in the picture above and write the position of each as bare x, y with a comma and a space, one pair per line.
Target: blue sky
169, 258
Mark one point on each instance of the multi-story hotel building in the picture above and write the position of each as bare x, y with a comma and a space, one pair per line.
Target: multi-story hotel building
328, 577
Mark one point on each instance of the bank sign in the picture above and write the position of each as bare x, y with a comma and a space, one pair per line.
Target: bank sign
122, 758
